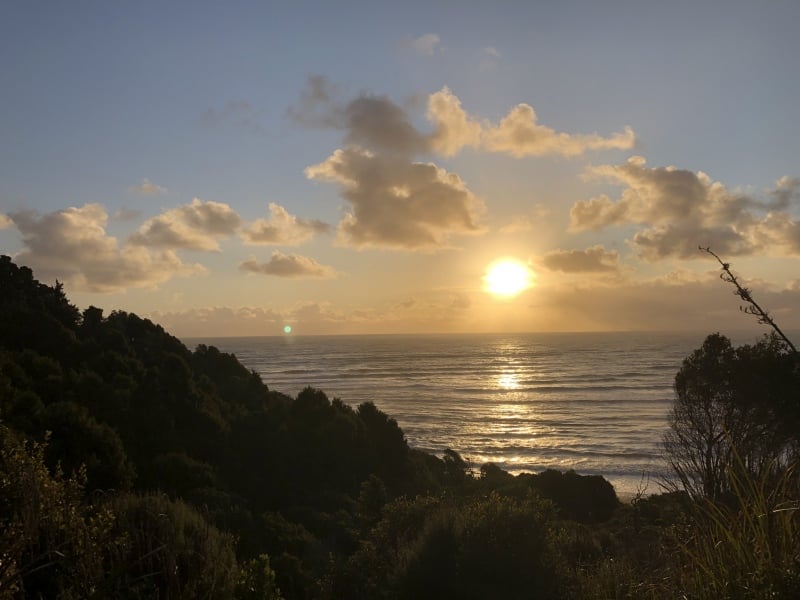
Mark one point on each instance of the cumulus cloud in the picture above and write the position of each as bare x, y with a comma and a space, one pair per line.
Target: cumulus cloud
147, 188
455, 129
657, 195
370, 121
72, 245
282, 229
591, 260
786, 192
377, 123
425, 44
396, 203
195, 226
519, 135
5, 221
680, 210
288, 265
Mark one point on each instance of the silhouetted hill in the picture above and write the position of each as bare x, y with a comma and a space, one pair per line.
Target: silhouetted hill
131, 411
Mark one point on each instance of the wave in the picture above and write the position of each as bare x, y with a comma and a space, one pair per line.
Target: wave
594, 402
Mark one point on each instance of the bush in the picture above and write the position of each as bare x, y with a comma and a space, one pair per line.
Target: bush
51, 544
168, 550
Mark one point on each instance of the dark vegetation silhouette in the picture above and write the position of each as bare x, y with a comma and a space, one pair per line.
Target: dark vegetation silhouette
133, 467
734, 447
735, 408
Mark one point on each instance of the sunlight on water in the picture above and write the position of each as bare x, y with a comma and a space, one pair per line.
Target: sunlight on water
596, 403
508, 381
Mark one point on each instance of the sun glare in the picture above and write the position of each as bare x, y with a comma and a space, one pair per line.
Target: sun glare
507, 278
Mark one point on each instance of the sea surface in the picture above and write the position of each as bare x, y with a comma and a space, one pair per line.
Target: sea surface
593, 402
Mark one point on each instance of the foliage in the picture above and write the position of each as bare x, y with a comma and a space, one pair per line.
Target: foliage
492, 546
51, 544
180, 473
587, 499
257, 581
726, 398
167, 549
750, 549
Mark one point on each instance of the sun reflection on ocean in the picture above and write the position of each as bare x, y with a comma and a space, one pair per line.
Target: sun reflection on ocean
508, 380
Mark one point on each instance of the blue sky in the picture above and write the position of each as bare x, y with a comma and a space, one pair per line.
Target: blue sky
179, 160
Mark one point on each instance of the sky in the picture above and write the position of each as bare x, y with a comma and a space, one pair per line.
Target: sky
238, 168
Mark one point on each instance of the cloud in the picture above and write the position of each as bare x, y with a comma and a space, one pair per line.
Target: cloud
525, 223
675, 302
5, 221
220, 321
455, 129
369, 121
378, 124
658, 195
405, 304
591, 260
288, 265
787, 191
147, 188
314, 311
72, 245
317, 107
489, 58
519, 224
460, 301
519, 135
681, 240
425, 44
398, 204
282, 229
681, 210
195, 226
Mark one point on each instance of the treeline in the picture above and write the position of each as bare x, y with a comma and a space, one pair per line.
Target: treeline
133, 467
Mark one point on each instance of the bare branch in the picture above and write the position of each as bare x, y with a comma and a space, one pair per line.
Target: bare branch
752, 307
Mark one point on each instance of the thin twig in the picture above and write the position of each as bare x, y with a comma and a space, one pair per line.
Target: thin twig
745, 294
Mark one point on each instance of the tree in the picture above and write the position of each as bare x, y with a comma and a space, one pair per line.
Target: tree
735, 408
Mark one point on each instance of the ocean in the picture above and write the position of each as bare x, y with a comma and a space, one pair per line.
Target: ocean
593, 402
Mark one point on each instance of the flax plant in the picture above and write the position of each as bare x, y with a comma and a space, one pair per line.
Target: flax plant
749, 545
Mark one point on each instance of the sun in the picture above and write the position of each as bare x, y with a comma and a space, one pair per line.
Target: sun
507, 278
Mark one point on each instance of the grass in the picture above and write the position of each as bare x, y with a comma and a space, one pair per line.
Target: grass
748, 546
